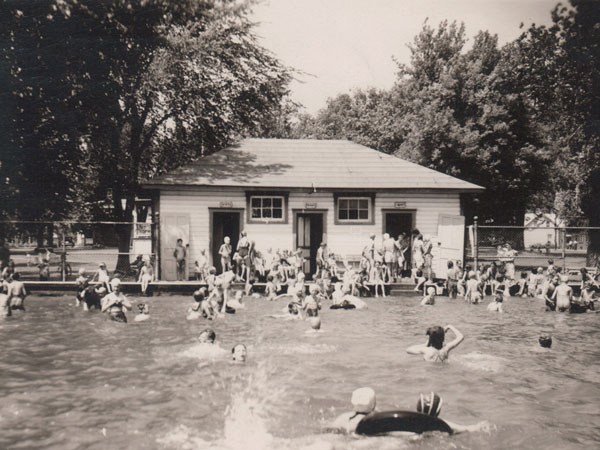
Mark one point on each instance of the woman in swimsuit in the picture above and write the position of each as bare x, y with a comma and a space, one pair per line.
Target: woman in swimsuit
435, 350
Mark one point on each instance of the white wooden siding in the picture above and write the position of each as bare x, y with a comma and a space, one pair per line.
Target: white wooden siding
342, 239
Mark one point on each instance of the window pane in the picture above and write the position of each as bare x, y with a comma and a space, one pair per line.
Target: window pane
266, 213
277, 213
343, 214
363, 204
266, 202
277, 202
353, 214
353, 204
255, 213
343, 203
255, 202
363, 214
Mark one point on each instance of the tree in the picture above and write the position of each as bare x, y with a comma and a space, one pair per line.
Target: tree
145, 86
560, 65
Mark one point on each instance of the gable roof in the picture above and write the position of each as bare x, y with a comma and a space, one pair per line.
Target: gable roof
307, 163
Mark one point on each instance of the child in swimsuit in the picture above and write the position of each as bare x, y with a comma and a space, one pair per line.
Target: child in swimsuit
115, 302
563, 295
310, 303
207, 336
435, 350
429, 299
225, 253
16, 293
143, 312
473, 293
82, 284
496, 305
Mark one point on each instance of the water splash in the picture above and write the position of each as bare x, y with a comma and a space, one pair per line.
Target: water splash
481, 361
205, 351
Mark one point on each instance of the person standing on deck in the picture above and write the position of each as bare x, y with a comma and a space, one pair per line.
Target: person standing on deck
243, 248
180, 255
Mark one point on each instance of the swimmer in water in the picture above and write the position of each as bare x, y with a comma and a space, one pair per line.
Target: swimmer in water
207, 336
432, 405
435, 350
82, 284
16, 293
545, 341
5, 305
195, 310
496, 305
363, 403
143, 312
115, 302
239, 353
310, 304
429, 299
563, 295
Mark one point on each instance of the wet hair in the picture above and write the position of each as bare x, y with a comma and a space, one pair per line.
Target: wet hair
211, 334
198, 295
523, 275
179, 240
270, 277
499, 297
236, 346
545, 341
16, 276
292, 308
550, 261
436, 337
419, 273
450, 264
430, 405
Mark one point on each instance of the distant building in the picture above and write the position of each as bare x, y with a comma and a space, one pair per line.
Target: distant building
547, 230
290, 194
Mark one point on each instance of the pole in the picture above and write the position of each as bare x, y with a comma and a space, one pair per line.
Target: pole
475, 243
64, 257
564, 257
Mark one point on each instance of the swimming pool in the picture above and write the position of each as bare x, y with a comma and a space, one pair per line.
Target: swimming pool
73, 380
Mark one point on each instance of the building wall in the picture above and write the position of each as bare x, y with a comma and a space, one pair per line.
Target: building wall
342, 239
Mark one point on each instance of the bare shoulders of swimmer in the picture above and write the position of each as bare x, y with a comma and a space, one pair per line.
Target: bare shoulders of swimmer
363, 402
435, 350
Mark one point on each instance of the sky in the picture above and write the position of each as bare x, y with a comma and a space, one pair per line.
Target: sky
341, 45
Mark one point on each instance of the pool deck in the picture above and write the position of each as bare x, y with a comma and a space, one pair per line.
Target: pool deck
180, 287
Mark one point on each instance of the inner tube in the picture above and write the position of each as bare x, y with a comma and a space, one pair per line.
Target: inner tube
229, 310
577, 308
408, 421
344, 305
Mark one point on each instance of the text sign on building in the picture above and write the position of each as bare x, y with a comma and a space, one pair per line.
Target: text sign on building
399, 204
310, 205
226, 204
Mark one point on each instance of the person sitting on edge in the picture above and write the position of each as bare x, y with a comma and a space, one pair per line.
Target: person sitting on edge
143, 312
115, 302
102, 276
16, 293
522, 285
429, 299
207, 336
563, 295
363, 403
239, 353
496, 305
420, 280
435, 350
82, 284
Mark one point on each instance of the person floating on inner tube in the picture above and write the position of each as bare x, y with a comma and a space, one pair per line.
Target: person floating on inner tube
435, 350
432, 405
363, 402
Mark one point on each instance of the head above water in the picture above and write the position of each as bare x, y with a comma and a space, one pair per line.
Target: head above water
239, 353
115, 284
363, 400
431, 290
545, 341
143, 308
436, 337
207, 336
430, 405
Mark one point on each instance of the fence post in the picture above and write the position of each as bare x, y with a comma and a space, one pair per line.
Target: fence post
63, 260
564, 256
475, 243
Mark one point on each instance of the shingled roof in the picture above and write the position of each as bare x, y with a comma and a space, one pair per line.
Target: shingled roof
306, 163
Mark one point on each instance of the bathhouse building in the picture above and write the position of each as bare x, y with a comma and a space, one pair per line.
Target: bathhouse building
289, 194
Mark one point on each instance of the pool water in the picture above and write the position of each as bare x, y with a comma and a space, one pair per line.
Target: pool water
72, 380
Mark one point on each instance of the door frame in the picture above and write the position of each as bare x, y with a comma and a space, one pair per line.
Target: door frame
385, 212
211, 212
295, 212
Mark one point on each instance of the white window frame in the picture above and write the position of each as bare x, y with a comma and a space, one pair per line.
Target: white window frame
267, 219
358, 198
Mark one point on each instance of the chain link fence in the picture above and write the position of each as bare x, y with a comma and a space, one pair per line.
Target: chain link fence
530, 247
56, 251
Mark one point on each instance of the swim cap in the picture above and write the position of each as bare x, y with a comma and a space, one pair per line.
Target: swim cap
431, 290
363, 400
564, 278
81, 271
115, 282
315, 323
471, 274
431, 405
540, 270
